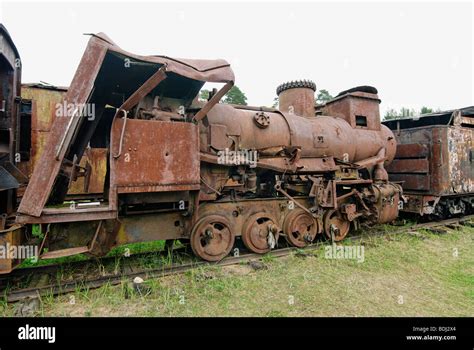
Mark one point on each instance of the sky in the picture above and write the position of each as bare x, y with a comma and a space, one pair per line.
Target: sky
415, 54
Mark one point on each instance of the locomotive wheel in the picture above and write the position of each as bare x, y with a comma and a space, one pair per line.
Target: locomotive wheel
335, 222
212, 238
300, 228
255, 233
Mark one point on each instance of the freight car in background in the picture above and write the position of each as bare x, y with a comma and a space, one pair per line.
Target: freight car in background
41, 104
11, 140
435, 162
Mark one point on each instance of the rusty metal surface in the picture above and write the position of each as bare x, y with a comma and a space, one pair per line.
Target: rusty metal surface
317, 137
460, 147
297, 97
44, 104
410, 166
434, 160
143, 228
64, 146
144, 89
156, 156
45, 100
336, 226
43, 178
350, 105
13, 236
259, 231
10, 126
388, 197
65, 252
415, 151
94, 184
198, 69
68, 215
300, 228
212, 238
43, 107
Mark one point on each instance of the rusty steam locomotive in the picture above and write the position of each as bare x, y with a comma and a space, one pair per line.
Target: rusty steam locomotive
203, 172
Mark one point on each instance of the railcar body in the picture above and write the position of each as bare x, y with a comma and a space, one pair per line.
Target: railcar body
435, 162
13, 146
10, 84
41, 105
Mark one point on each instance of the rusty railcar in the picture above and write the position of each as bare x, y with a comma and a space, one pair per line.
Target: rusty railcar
435, 162
10, 124
14, 146
200, 171
41, 103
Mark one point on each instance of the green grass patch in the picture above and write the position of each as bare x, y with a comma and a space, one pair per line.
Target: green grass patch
132, 248
402, 275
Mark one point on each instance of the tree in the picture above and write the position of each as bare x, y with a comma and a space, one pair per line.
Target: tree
391, 114
235, 96
323, 96
426, 110
275, 102
204, 94
405, 112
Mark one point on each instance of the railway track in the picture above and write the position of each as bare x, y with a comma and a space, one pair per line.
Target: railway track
16, 292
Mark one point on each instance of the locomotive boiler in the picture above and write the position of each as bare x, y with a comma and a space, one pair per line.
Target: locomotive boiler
200, 171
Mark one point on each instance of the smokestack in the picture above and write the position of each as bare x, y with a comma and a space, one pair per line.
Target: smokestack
297, 97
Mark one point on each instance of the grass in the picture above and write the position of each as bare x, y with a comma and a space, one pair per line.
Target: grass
402, 275
132, 248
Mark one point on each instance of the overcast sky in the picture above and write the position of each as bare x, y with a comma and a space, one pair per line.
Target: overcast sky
415, 54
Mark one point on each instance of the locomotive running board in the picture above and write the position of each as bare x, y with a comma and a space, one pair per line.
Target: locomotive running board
54, 215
